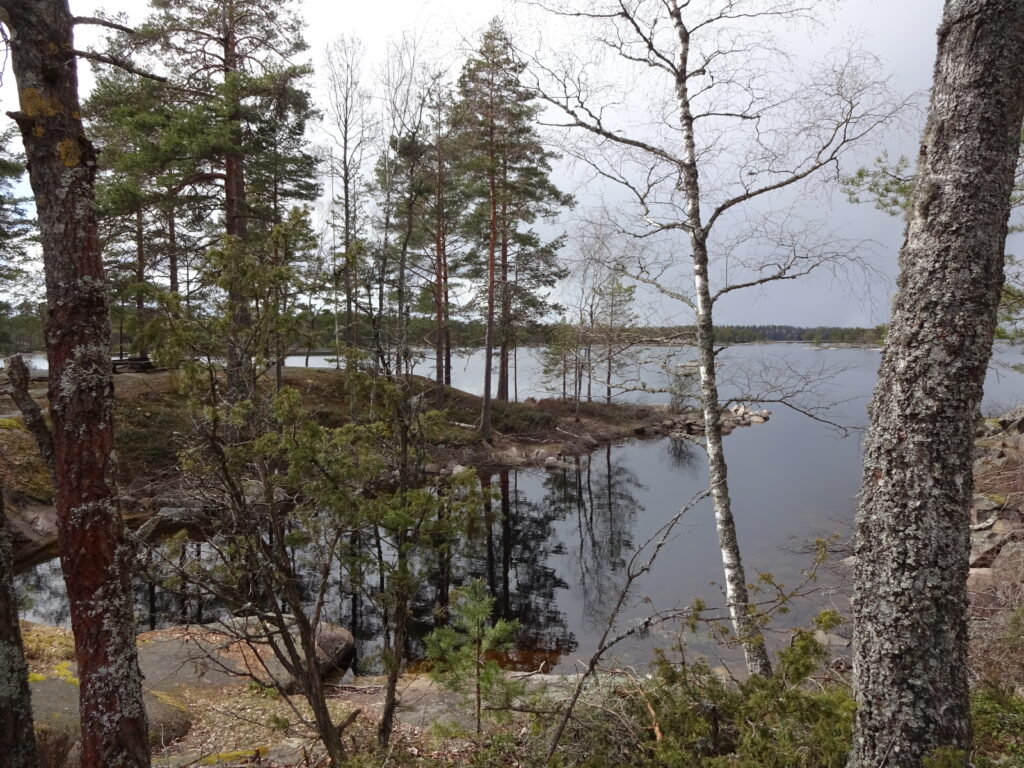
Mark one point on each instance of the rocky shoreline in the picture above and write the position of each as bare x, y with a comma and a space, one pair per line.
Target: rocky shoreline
997, 510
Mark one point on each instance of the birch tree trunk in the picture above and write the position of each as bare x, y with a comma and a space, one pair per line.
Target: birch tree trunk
910, 633
743, 619
94, 556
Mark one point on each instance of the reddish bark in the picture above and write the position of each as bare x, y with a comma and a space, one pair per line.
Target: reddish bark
94, 557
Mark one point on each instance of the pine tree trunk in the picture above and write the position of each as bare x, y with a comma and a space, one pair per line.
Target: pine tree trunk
95, 558
505, 321
140, 279
238, 369
17, 736
172, 251
913, 541
485, 419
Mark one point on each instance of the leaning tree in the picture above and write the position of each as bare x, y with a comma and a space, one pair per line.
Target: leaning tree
913, 535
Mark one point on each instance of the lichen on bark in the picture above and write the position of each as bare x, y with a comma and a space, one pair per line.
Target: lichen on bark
910, 630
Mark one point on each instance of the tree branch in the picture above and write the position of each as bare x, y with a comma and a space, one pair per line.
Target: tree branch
17, 377
99, 22
119, 63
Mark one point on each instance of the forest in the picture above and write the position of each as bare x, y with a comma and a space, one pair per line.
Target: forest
331, 377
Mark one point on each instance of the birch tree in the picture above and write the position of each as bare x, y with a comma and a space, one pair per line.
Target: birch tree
94, 556
352, 130
713, 131
913, 540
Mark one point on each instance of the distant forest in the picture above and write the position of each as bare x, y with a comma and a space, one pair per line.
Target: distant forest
21, 330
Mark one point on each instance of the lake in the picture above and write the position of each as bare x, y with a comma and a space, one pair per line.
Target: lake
555, 559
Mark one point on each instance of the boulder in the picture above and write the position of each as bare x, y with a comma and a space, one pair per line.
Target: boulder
830, 640
252, 655
58, 731
335, 650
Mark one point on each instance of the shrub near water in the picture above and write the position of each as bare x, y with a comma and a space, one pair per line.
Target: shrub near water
686, 715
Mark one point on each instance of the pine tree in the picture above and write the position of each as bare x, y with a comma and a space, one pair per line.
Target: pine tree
15, 223
509, 171
240, 61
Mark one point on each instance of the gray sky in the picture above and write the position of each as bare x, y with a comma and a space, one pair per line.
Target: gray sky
900, 32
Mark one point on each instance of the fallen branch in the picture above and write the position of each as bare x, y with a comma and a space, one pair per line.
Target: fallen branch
654, 545
17, 377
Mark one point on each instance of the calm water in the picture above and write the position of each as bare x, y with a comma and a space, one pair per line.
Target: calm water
556, 557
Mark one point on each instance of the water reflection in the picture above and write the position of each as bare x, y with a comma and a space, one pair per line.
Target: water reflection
599, 494
513, 552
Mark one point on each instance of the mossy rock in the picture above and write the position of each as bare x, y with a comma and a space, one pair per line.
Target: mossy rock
55, 710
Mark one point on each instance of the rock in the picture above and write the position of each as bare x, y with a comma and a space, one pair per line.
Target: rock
432, 468
1011, 556
553, 462
694, 427
1008, 521
456, 468
830, 640
984, 503
1013, 422
170, 520
335, 649
979, 581
58, 732
757, 419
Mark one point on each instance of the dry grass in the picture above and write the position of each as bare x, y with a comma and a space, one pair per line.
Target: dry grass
46, 646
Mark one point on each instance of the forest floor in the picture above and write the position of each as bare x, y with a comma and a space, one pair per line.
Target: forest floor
236, 721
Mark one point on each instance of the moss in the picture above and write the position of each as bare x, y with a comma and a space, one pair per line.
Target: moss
62, 670
11, 424
35, 677
997, 717
21, 467
230, 757
169, 700
145, 438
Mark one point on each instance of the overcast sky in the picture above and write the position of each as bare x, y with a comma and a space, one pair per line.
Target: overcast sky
900, 32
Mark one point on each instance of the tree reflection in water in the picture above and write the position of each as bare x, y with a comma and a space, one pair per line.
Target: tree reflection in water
599, 494
577, 529
514, 553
